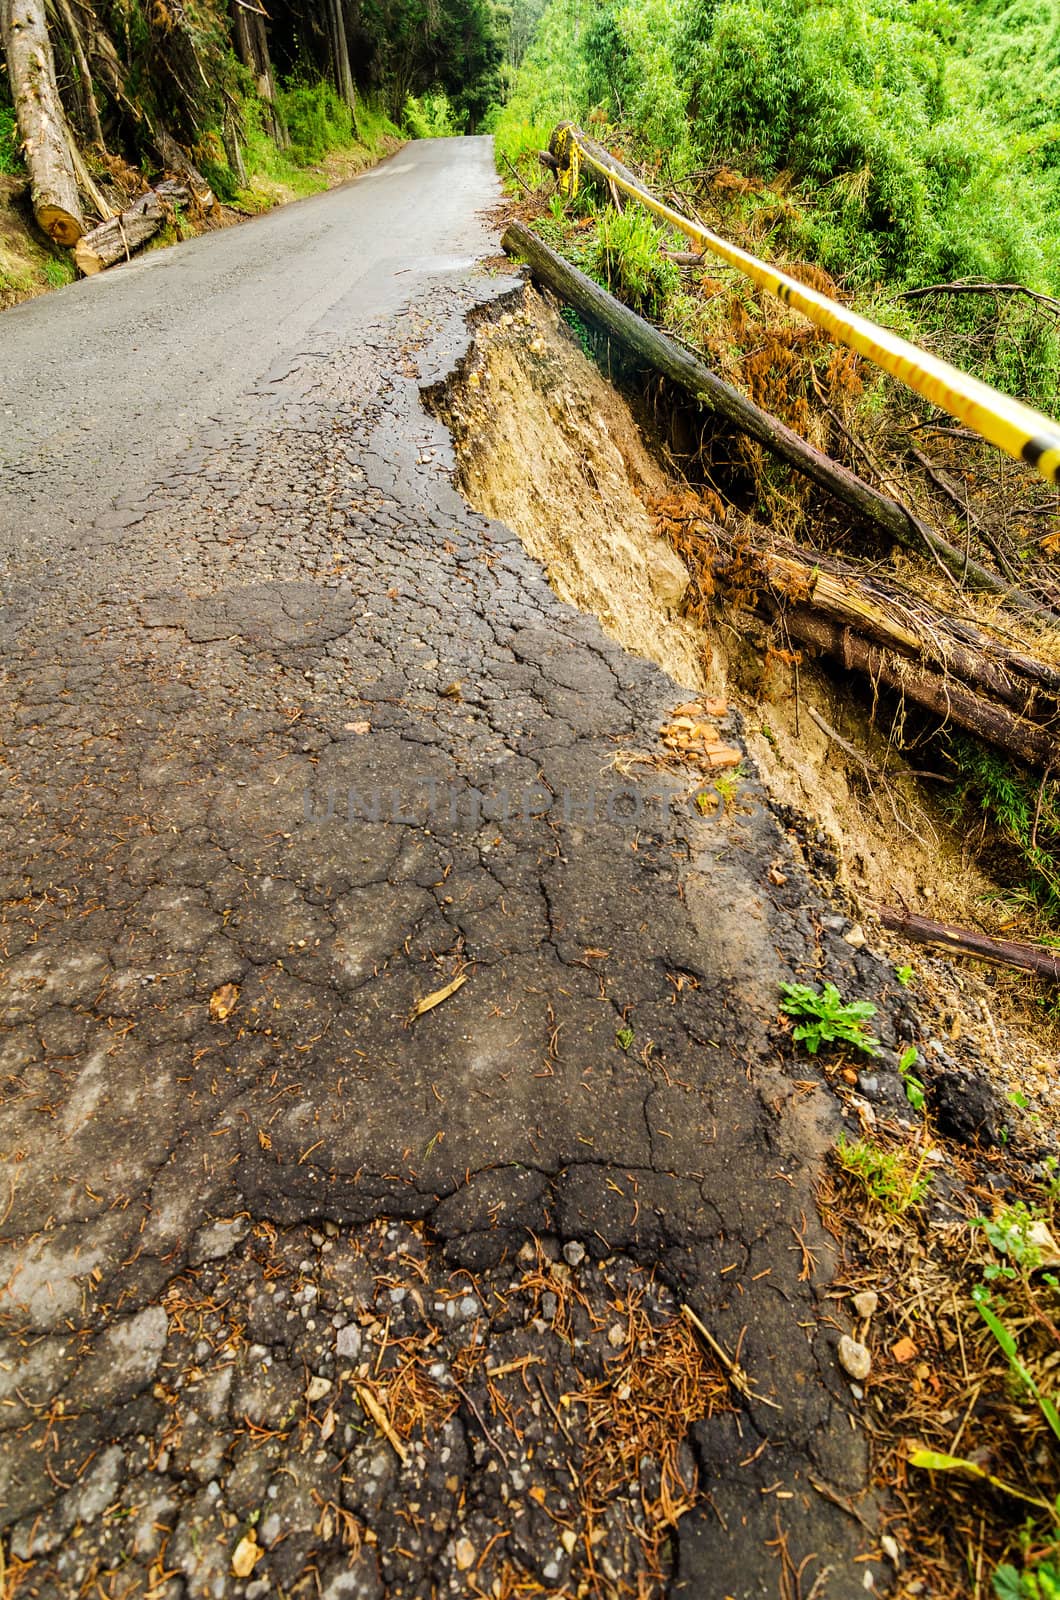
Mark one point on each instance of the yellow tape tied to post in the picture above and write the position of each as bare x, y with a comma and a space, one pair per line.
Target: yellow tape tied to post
1017, 429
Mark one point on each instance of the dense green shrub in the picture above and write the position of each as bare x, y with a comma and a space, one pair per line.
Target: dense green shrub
316, 119
629, 71
429, 116
922, 137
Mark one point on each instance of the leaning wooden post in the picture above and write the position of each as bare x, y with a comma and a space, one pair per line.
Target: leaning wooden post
41, 121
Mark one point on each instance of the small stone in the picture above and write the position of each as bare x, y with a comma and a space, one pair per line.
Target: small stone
854, 1358
465, 1553
616, 1335
574, 1253
549, 1305
856, 937
317, 1388
246, 1555
218, 1240
348, 1342
866, 1303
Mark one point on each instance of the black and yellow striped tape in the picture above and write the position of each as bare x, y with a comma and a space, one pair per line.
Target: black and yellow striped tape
1017, 429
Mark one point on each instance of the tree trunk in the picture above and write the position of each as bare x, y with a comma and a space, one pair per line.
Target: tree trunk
885, 614
704, 385
966, 942
93, 127
233, 152
117, 239
252, 47
106, 64
41, 122
945, 697
341, 54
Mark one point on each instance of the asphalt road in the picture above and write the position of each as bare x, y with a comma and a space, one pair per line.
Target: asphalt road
293, 740
107, 381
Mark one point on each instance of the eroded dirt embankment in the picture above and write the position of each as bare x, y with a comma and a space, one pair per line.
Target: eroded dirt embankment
548, 446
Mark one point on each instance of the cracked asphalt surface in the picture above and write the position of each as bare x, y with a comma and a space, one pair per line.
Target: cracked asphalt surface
294, 738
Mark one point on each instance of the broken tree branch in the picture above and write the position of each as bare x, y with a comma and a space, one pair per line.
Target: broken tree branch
946, 487
87, 89
965, 942
520, 180
1046, 300
704, 385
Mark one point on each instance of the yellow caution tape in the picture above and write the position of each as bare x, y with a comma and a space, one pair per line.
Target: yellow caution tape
1015, 428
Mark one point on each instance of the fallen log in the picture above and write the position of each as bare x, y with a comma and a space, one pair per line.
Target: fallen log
953, 702
704, 385
883, 613
116, 239
41, 121
965, 942
894, 639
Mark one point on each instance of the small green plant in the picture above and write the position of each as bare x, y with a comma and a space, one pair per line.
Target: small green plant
58, 272
1024, 814
914, 1087
829, 1018
1007, 1341
727, 783
624, 1038
905, 976
1040, 1581
578, 328
628, 258
1019, 1234
892, 1178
